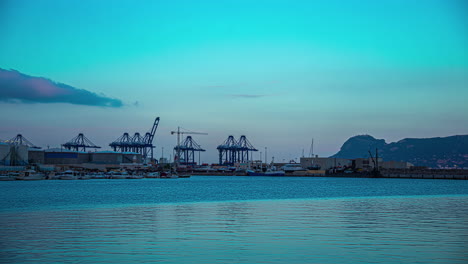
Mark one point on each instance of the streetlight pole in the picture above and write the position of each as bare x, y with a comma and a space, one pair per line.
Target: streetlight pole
261, 160
162, 156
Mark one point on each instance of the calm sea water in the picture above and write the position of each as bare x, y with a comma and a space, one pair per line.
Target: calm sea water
235, 220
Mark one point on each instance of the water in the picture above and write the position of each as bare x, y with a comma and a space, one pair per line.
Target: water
235, 220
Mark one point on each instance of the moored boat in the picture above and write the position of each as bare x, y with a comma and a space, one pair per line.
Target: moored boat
154, 174
118, 175
30, 175
292, 167
8, 177
169, 175
97, 175
67, 175
134, 176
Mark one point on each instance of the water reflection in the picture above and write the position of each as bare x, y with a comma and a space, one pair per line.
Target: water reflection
377, 230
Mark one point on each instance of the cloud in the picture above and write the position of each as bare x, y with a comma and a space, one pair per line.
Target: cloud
249, 95
21, 88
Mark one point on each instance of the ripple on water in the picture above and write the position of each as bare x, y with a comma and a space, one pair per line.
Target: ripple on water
365, 230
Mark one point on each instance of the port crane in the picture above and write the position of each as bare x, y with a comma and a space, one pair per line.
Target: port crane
178, 132
137, 143
20, 140
79, 143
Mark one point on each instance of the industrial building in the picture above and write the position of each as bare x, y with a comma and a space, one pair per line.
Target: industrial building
13, 155
65, 156
14, 152
36, 156
57, 156
358, 163
395, 164
324, 163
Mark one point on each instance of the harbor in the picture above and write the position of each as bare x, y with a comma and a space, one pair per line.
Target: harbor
132, 157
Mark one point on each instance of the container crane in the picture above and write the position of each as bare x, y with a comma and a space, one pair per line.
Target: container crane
79, 143
178, 132
137, 143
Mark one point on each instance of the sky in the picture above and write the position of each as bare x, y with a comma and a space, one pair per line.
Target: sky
279, 72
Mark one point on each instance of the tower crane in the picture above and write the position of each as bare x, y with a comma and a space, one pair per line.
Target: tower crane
178, 132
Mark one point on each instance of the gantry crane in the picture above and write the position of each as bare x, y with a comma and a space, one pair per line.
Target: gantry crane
137, 143
178, 132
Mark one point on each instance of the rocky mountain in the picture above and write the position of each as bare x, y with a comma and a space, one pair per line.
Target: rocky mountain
431, 152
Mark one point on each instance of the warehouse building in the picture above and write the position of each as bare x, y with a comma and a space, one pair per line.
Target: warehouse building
65, 156
324, 163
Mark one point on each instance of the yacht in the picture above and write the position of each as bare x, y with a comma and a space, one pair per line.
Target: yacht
67, 175
30, 175
292, 167
118, 175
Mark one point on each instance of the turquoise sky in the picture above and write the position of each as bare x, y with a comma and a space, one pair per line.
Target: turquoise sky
280, 72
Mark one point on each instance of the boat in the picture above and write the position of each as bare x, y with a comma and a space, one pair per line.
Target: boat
30, 175
184, 176
8, 176
134, 176
67, 175
154, 174
98, 175
266, 173
83, 176
118, 175
292, 167
169, 175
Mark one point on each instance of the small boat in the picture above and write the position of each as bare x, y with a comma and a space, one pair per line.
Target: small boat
134, 176
84, 177
154, 174
30, 175
266, 173
118, 175
98, 175
184, 176
67, 175
169, 175
8, 177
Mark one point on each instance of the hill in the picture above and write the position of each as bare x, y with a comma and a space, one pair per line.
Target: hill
431, 152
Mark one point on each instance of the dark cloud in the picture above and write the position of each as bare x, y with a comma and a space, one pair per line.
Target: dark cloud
22, 88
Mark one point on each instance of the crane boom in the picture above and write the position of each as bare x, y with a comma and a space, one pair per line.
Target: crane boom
153, 131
